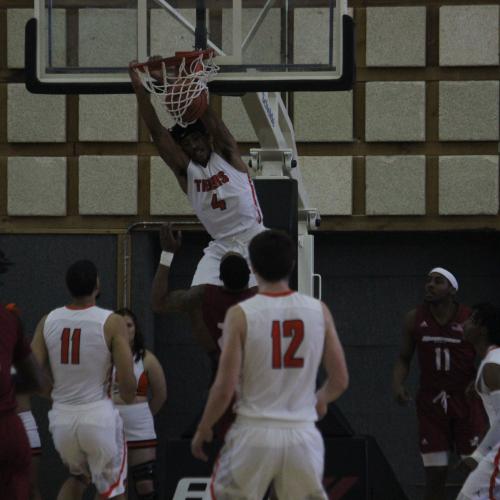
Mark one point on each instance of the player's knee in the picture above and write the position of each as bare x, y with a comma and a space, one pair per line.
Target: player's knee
144, 476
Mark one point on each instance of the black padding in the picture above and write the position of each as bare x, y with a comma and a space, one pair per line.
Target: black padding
279, 201
143, 472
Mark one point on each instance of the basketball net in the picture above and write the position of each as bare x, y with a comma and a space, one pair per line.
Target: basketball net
178, 81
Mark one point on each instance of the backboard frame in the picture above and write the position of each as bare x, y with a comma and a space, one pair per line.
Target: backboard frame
38, 80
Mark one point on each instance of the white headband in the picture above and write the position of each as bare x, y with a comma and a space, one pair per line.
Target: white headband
447, 275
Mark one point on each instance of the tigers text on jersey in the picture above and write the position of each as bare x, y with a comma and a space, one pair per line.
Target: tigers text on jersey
222, 197
282, 352
79, 357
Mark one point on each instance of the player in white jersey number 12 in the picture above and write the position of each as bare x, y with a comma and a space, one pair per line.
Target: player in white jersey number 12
79, 343
273, 344
205, 159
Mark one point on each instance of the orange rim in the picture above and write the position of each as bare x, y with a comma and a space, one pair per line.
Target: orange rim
175, 61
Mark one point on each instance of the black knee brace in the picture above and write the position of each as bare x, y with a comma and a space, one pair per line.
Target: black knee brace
144, 472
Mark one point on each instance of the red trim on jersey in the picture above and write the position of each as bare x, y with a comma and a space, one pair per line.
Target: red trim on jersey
107, 493
254, 196
36, 452
79, 308
493, 477
277, 294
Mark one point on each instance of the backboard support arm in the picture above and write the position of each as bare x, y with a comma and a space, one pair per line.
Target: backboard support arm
278, 159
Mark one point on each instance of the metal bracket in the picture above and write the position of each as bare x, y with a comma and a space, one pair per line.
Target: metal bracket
272, 161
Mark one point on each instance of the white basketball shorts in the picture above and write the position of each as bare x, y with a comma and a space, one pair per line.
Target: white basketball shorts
138, 425
258, 452
483, 482
207, 271
90, 441
31, 430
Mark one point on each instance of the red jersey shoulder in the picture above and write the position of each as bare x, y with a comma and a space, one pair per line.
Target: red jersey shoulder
424, 318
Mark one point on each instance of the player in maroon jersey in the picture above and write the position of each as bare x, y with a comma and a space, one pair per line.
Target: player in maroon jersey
449, 419
206, 304
15, 451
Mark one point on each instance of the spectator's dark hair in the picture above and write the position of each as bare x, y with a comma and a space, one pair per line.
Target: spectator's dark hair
81, 278
488, 315
234, 272
178, 133
272, 254
138, 349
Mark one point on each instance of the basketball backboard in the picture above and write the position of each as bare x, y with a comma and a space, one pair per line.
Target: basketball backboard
84, 46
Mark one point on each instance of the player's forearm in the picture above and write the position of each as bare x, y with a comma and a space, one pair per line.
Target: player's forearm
218, 401
332, 389
127, 388
159, 289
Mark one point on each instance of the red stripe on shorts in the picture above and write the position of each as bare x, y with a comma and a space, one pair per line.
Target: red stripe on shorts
494, 476
107, 493
212, 480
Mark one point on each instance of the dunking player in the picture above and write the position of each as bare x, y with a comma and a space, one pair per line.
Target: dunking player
448, 419
80, 342
273, 344
204, 158
15, 453
482, 330
206, 304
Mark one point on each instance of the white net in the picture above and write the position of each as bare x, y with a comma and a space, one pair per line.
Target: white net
177, 86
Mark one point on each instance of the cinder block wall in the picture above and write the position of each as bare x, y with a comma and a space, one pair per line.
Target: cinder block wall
415, 141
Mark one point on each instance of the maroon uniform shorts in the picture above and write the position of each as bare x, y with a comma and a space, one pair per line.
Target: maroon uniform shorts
450, 422
15, 458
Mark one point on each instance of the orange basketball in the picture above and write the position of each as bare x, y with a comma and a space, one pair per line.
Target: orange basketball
196, 108
177, 97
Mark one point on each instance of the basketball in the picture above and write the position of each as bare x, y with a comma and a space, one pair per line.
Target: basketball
178, 97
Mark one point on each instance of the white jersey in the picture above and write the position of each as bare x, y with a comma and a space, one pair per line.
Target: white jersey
141, 378
79, 357
493, 356
282, 352
223, 198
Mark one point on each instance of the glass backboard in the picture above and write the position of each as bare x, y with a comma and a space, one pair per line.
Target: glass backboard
84, 46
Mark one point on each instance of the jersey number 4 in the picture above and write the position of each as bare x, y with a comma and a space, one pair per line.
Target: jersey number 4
293, 328
216, 203
70, 342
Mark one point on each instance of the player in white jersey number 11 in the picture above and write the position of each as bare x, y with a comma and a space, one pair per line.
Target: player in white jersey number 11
80, 343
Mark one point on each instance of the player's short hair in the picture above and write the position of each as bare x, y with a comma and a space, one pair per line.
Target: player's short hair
272, 254
138, 348
178, 133
488, 315
234, 272
81, 278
